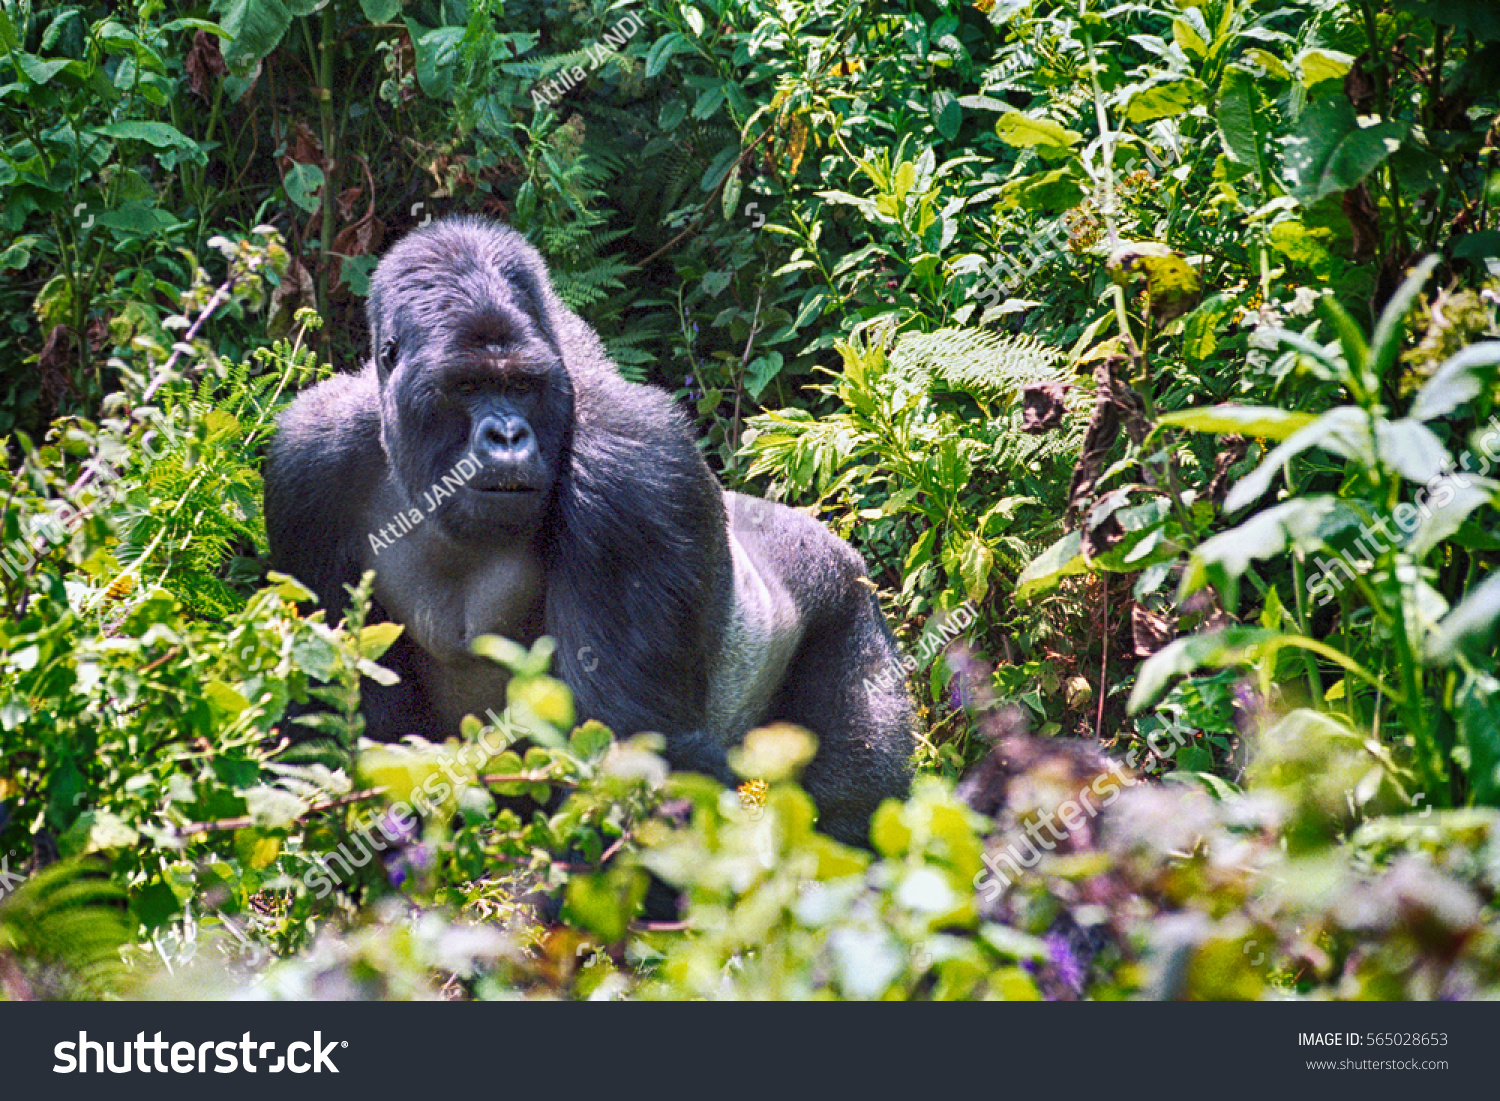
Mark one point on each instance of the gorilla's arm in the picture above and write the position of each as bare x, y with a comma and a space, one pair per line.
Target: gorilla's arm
638, 578
320, 475
845, 681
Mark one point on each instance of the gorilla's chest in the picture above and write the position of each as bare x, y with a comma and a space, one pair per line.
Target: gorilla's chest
447, 598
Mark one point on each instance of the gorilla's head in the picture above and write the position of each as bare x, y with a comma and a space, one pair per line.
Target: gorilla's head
476, 403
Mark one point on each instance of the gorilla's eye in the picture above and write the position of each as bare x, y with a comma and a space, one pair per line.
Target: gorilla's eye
468, 387
388, 353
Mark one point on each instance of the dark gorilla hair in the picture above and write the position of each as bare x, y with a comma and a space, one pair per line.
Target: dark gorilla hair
584, 512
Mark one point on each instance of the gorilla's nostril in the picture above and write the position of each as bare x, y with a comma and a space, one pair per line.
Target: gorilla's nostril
506, 434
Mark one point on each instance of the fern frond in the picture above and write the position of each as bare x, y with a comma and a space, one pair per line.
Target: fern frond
63, 929
990, 366
993, 368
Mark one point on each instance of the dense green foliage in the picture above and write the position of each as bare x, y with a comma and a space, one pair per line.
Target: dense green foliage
1151, 346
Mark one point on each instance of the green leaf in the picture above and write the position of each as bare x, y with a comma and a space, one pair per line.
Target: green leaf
154, 905
1331, 152
1191, 33
729, 199
1223, 559
1240, 124
1303, 245
1056, 189
39, 71
1200, 335
157, 134
1479, 729
1316, 66
1342, 419
254, 28
975, 562
437, 53
947, 114
1257, 58
1265, 421
761, 372
1484, 245
1386, 342
1409, 448
1164, 99
590, 740
1062, 559
1462, 378
662, 50
605, 902
1462, 494
380, 11
1234, 646
719, 167
304, 185
1472, 621
1045, 136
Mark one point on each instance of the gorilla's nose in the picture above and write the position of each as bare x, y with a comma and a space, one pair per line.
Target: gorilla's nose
507, 437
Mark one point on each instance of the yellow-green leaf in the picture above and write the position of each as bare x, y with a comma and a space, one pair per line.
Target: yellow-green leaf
1267, 422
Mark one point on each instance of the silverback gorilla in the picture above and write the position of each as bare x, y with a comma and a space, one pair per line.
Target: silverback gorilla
553, 497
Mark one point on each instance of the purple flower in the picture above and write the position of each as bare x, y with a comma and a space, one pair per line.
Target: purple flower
1070, 969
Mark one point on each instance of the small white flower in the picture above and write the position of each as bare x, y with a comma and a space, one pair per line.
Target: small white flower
1303, 301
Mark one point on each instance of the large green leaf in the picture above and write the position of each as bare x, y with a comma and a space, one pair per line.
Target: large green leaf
1045, 136
1317, 65
1459, 495
1303, 522
1406, 446
1191, 33
1164, 99
1265, 421
1386, 342
1342, 419
1472, 621
158, 134
1241, 127
1233, 646
1331, 152
1462, 378
1062, 559
436, 52
662, 51
1200, 329
255, 28
1411, 449
1056, 189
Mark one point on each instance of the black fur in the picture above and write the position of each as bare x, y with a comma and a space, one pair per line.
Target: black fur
676, 607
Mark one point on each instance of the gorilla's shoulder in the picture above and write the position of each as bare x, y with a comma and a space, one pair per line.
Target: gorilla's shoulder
320, 472
331, 431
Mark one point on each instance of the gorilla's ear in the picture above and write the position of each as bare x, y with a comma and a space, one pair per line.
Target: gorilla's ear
387, 353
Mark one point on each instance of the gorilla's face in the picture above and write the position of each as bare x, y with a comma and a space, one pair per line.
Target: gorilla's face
475, 400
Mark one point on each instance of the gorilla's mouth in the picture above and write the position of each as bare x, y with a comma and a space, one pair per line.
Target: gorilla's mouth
501, 485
